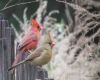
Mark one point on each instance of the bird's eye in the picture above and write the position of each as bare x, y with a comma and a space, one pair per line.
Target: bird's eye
50, 43
38, 27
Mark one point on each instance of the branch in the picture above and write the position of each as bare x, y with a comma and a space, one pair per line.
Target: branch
7, 3
53, 12
38, 13
18, 19
76, 7
18, 5
24, 15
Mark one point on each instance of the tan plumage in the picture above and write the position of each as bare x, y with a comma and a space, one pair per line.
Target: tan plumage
42, 54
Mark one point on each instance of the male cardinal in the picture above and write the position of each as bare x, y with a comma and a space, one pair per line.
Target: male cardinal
42, 54
29, 41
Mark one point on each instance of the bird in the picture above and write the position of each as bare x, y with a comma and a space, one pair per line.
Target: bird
42, 54
28, 41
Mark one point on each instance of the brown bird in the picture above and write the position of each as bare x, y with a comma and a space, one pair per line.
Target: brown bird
42, 54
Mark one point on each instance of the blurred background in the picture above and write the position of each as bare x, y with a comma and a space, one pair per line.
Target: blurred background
9, 7
75, 27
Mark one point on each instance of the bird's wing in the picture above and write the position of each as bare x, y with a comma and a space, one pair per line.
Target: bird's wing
27, 40
36, 53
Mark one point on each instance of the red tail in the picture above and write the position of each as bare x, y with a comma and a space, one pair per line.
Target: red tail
18, 57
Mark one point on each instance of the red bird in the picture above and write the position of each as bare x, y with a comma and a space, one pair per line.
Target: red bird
29, 41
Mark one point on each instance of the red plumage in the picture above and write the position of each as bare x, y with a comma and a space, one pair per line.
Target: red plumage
29, 41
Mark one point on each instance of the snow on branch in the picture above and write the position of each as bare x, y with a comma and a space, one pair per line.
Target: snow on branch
17, 4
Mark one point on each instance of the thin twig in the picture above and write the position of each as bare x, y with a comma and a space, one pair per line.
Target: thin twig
77, 7
34, 14
53, 12
24, 15
18, 19
64, 1
7, 3
18, 5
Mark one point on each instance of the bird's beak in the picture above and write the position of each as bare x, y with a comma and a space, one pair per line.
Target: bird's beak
52, 45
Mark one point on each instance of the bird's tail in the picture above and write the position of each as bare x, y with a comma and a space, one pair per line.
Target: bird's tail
14, 66
18, 57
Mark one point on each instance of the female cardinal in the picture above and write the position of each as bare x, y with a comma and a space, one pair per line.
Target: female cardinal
29, 41
42, 54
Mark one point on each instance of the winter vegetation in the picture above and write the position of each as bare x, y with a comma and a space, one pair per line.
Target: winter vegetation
76, 55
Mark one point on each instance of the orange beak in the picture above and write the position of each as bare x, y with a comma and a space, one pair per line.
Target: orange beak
52, 45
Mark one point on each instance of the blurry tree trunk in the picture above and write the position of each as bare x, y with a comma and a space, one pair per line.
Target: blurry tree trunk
6, 49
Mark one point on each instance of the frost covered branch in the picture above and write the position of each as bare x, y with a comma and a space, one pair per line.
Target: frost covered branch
7, 3
76, 7
23, 3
